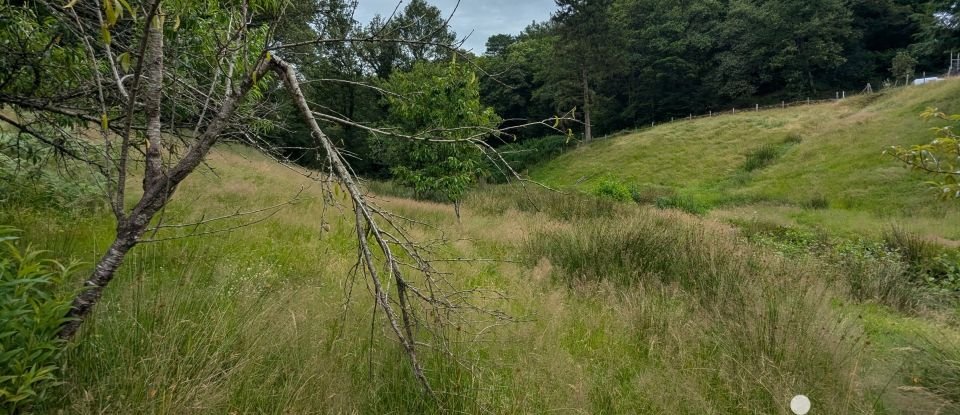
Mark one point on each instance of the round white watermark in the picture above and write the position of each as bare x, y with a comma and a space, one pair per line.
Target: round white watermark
800, 405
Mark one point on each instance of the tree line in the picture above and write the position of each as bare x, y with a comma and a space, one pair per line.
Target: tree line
626, 63
620, 64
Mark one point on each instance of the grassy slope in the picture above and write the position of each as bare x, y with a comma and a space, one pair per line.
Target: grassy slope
253, 321
839, 158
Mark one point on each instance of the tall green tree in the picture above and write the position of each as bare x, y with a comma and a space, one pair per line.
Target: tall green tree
439, 104
587, 50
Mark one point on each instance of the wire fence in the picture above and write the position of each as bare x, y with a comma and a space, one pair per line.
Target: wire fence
838, 97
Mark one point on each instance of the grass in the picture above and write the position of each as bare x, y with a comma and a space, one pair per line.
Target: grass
621, 309
817, 166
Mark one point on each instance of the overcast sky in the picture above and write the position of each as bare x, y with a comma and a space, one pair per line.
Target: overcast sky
483, 17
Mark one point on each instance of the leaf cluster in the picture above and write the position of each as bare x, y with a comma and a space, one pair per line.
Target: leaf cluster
940, 157
32, 309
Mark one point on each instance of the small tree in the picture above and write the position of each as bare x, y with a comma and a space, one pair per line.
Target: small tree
432, 103
940, 157
903, 66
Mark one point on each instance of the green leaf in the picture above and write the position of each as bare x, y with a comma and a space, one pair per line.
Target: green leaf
125, 61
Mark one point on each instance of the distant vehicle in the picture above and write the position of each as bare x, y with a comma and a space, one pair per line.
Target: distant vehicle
921, 81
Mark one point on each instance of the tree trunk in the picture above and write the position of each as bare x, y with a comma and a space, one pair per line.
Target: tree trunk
159, 183
93, 288
456, 210
587, 127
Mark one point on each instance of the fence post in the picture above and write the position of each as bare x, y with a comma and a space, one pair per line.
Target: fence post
783, 104
844, 94
808, 100
758, 107
734, 110
838, 95
711, 113
690, 117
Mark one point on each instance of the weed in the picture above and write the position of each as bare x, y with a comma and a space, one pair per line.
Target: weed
761, 157
33, 304
611, 188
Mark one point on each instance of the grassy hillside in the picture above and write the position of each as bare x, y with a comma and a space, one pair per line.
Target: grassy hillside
618, 309
804, 159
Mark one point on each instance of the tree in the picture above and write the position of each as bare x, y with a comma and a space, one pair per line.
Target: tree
586, 50
161, 82
903, 66
498, 44
940, 157
439, 98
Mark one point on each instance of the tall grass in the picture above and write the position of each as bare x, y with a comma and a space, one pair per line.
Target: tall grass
756, 330
618, 309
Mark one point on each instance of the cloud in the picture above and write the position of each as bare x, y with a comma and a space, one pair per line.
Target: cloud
483, 18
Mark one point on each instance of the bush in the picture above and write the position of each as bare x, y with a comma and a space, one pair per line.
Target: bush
32, 309
613, 189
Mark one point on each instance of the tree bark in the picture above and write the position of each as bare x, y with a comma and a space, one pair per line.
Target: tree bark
93, 288
159, 183
587, 127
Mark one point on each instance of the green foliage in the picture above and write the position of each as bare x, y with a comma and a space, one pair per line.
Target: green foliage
439, 104
769, 153
940, 157
500, 200
685, 203
817, 202
27, 178
33, 304
749, 310
903, 66
928, 264
611, 188
761, 157
528, 153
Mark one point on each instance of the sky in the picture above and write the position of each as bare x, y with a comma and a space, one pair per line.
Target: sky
483, 17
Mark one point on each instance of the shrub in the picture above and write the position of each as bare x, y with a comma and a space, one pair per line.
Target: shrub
612, 189
32, 308
761, 157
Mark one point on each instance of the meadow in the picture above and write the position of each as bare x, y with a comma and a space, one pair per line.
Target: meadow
815, 167
616, 308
